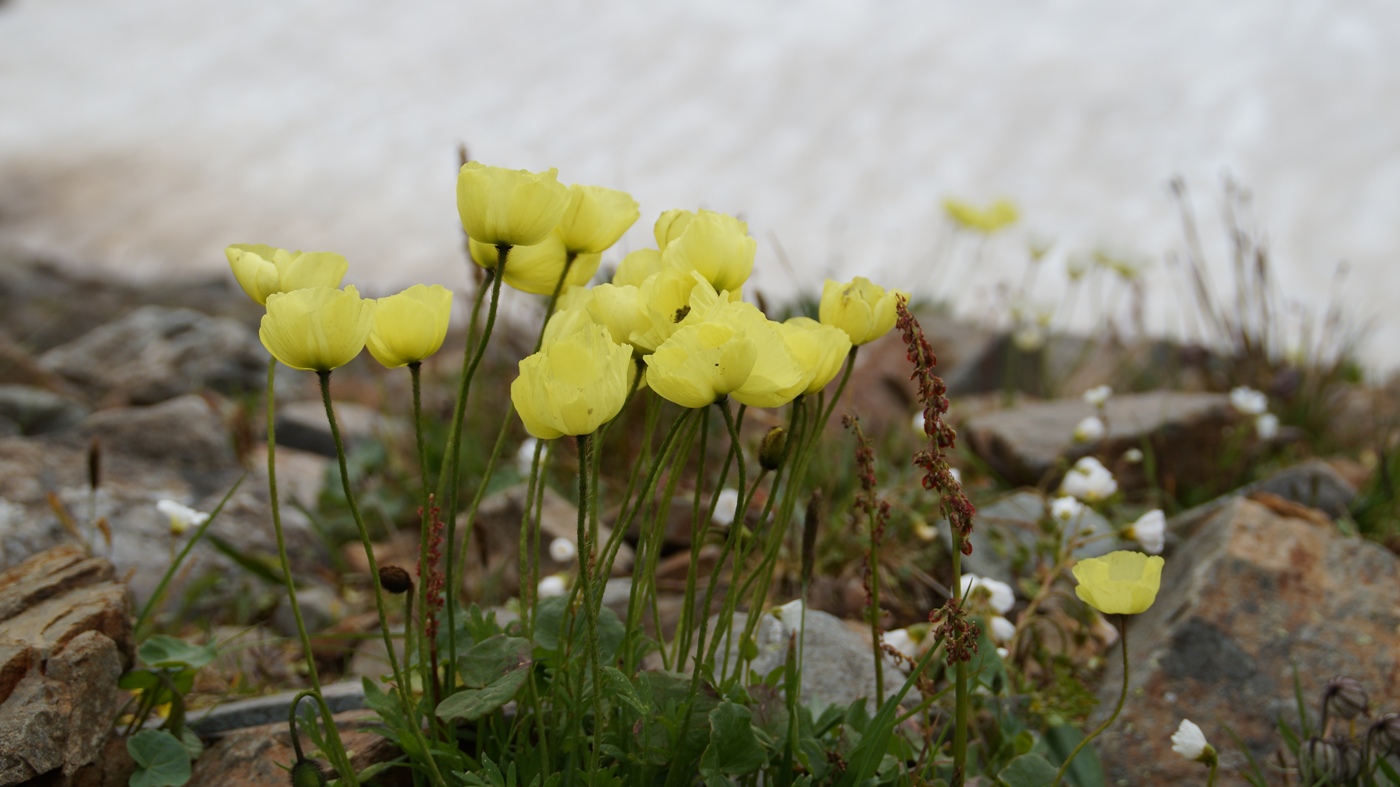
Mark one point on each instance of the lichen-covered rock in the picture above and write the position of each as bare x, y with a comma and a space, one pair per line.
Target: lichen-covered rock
1251, 595
65, 639
260, 756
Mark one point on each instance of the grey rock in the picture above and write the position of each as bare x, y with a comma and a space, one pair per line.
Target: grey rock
1313, 483
1006, 532
1252, 595
260, 756
157, 353
37, 411
303, 426
272, 709
321, 607
1033, 443
184, 433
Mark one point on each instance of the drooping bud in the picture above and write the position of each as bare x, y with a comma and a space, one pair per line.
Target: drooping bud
1387, 733
1346, 698
770, 450
306, 773
395, 580
1329, 761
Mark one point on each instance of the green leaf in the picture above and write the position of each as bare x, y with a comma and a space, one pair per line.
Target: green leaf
622, 690
161, 759
491, 658
1058, 742
1027, 770
138, 680
472, 704
165, 652
733, 749
260, 566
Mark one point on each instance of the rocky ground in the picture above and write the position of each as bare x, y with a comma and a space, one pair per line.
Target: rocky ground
112, 398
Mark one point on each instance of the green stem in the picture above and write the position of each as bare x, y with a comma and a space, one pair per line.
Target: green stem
698, 527
874, 560
338, 755
408, 705
1123, 636
1210, 780
590, 612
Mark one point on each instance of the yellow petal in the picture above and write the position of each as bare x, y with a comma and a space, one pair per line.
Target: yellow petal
410, 326
1122, 582
716, 245
509, 206
536, 269
596, 218
573, 385
700, 363
865, 311
317, 328
637, 267
820, 350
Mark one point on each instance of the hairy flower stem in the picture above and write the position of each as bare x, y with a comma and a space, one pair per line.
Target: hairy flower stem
401, 684
590, 610
428, 678
960, 693
1122, 697
448, 479
338, 757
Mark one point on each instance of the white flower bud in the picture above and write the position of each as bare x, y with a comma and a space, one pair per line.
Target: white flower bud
562, 550
1249, 401
182, 517
1090, 430
1150, 530
726, 507
1189, 741
552, 585
1098, 395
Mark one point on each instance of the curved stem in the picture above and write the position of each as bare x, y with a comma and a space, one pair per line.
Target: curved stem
408, 706
292, 721
1123, 636
341, 760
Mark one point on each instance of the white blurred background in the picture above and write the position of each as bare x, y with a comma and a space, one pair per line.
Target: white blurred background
143, 137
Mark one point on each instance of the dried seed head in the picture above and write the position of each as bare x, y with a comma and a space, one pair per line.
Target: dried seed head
395, 580
94, 464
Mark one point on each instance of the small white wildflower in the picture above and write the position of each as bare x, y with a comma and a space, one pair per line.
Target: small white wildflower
1003, 653
182, 517
1097, 395
1249, 401
1090, 430
552, 585
1002, 629
1028, 338
1132, 456
900, 640
1150, 530
790, 614
1089, 481
562, 550
999, 594
1189, 741
1066, 508
1266, 426
525, 456
726, 507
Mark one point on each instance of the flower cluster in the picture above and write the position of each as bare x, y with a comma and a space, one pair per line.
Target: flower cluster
1255, 403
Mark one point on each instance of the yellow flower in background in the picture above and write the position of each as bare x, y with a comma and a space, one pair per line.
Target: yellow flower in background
509, 206
998, 215
670, 225
410, 326
1119, 583
536, 269
262, 270
572, 385
637, 267
777, 378
618, 308
595, 218
700, 363
865, 311
316, 329
717, 246
819, 350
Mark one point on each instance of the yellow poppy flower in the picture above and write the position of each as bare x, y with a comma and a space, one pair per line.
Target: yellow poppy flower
637, 267
262, 270
509, 206
700, 363
318, 328
536, 269
716, 245
865, 311
410, 326
595, 218
573, 385
1000, 214
819, 350
1121, 583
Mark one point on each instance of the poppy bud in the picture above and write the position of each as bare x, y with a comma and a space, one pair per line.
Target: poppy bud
770, 450
395, 580
1330, 761
1387, 732
1346, 698
307, 773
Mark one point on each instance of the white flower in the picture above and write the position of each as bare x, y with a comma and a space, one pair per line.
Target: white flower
1003, 653
790, 614
900, 640
525, 456
182, 517
1089, 481
1189, 741
1002, 629
552, 585
1249, 401
1266, 426
1066, 508
726, 507
1150, 530
1028, 338
1132, 456
562, 550
1090, 430
999, 594
1097, 395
